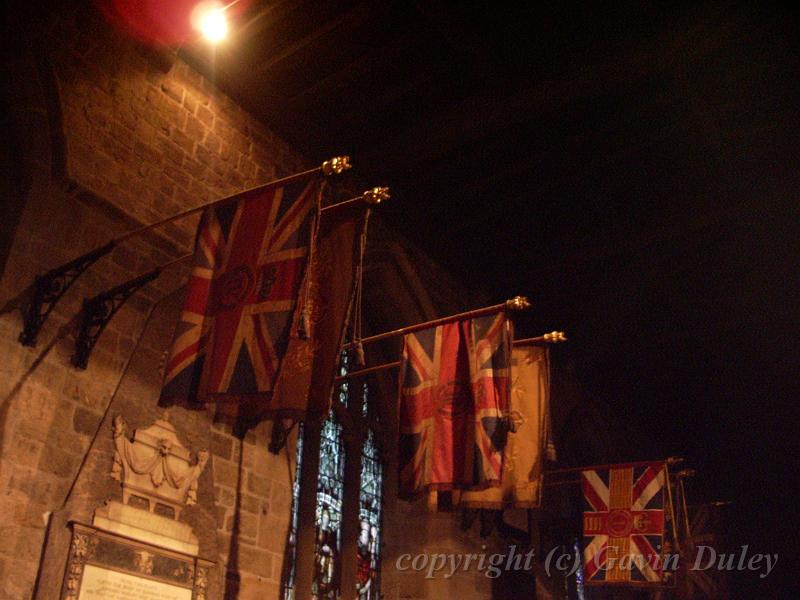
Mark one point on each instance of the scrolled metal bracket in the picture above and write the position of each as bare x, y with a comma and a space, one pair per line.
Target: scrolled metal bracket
336, 165
99, 310
50, 287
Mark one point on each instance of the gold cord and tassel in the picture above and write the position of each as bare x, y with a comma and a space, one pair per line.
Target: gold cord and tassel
358, 322
304, 324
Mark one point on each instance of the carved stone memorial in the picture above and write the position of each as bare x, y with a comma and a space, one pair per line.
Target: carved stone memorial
138, 548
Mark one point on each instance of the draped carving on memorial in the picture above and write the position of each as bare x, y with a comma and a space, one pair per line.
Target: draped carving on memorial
155, 466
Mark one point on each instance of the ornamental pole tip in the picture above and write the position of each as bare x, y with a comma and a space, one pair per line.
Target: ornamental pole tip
336, 165
518, 303
376, 195
555, 337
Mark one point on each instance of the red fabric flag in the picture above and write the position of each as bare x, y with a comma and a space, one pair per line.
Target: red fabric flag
454, 392
250, 259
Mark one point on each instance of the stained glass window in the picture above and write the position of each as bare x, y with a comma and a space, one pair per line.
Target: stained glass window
291, 544
365, 412
330, 489
344, 387
326, 583
369, 513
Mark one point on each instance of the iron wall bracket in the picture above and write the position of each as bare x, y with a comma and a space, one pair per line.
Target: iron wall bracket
50, 287
98, 311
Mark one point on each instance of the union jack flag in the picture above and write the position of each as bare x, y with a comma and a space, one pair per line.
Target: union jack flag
705, 529
454, 392
623, 524
250, 257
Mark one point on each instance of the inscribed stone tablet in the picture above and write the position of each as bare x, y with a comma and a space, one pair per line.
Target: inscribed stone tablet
104, 584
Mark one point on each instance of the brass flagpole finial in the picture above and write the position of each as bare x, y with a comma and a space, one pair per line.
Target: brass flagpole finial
674, 460
336, 165
377, 195
555, 337
518, 303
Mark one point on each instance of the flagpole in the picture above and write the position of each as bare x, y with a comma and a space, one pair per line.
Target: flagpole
371, 196
681, 490
516, 303
49, 287
672, 460
672, 513
329, 167
548, 338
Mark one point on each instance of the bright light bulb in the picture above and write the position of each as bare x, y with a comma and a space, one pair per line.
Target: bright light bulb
215, 26
209, 18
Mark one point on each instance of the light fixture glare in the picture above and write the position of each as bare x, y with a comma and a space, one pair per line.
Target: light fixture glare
211, 21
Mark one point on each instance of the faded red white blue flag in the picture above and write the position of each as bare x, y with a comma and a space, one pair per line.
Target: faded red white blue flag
249, 263
455, 381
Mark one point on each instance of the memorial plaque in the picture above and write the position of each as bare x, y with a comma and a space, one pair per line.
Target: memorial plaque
138, 549
100, 583
103, 565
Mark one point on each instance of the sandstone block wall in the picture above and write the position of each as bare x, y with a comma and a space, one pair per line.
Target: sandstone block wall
110, 136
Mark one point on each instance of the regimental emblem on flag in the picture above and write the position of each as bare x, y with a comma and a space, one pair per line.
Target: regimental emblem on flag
623, 524
454, 392
250, 258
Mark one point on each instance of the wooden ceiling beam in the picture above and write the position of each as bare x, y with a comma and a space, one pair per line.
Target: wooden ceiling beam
267, 16
597, 148
368, 113
480, 115
352, 18
466, 43
368, 63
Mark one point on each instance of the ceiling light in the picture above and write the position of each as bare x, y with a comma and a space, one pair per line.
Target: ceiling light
210, 20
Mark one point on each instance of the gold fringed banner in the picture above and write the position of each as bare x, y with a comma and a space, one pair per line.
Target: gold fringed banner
523, 457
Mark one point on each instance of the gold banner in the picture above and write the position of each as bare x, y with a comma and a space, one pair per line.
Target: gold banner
523, 457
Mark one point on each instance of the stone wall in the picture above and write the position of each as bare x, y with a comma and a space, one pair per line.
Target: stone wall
112, 136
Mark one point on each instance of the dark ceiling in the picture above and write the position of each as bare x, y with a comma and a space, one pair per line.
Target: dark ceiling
513, 137
633, 169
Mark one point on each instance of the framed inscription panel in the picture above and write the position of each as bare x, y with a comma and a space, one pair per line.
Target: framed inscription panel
99, 583
107, 566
